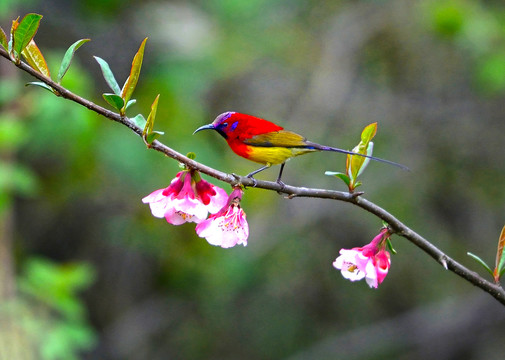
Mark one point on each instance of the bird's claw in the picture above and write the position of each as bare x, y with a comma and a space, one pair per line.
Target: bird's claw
255, 182
282, 185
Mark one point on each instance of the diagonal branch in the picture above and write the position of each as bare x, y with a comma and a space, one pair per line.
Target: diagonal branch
396, 225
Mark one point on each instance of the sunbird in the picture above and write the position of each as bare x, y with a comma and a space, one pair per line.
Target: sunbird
264, 142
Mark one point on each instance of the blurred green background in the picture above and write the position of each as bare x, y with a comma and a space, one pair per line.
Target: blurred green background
88, 273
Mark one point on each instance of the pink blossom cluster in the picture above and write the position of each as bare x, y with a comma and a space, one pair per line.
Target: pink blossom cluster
371, 262
189, 198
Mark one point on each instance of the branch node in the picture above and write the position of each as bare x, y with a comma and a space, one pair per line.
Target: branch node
443, 261
354, 195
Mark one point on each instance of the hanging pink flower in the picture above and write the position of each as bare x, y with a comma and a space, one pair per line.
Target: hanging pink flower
187, 199
228, 227
371, 262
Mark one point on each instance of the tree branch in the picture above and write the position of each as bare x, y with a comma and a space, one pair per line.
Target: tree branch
354, 198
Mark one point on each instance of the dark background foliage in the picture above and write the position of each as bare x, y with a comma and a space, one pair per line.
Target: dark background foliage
431, 73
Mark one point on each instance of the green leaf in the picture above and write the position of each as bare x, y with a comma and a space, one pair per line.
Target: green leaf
139, 120
3, 39
114, 100
480, 261
340, 175
356, 164
24, 32
390, 246
67, 58
108, 75
41, 84
368, 133
131, 82
153, 136
130, 103
152, 116
35, 59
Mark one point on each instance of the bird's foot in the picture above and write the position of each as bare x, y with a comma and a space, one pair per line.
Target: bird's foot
255, 182
281, 183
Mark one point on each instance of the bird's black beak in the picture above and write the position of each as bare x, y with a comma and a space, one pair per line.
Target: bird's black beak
205, 127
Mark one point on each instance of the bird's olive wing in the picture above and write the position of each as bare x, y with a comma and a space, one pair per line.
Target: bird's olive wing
282, 138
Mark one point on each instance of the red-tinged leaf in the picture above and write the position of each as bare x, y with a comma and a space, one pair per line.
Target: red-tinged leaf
108, 75
14, 26
131, 82
67, 58
3, 39
500, 259
114, 100
35, 59
24, 32
152, 116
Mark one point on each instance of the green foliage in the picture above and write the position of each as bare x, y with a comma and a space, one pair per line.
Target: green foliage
49, 311
35, 59
355, 165
23, 32
121, 97
67, 58
108, 76
481, 262
477, 30
490, 73
131, 83
448, 18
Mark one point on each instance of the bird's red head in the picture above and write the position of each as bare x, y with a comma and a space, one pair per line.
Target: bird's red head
238, 126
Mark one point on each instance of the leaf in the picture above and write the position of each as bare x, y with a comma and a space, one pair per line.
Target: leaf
14, 26
390, 246
340, 175
480, 261
24, 32
67, 58
3, 39
35, 59
152, 116
500, 259
369, 132
356, 164
131, 82
153, 136
130, 103
114, 100
108, 75
139, 120
42, 85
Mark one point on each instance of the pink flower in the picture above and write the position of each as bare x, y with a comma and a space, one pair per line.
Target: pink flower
371, 262
187, 199
229, 226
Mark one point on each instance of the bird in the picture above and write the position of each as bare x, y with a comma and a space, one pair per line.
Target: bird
267, 143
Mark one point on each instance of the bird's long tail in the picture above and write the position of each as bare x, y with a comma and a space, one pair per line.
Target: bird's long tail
329, 148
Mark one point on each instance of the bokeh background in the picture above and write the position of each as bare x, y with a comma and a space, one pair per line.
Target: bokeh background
87, 273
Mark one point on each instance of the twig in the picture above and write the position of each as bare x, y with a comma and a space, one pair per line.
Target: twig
291, 191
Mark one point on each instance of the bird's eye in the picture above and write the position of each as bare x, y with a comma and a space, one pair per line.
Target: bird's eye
224, 125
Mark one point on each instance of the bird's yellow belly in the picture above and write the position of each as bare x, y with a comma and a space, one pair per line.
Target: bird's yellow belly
274, 155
